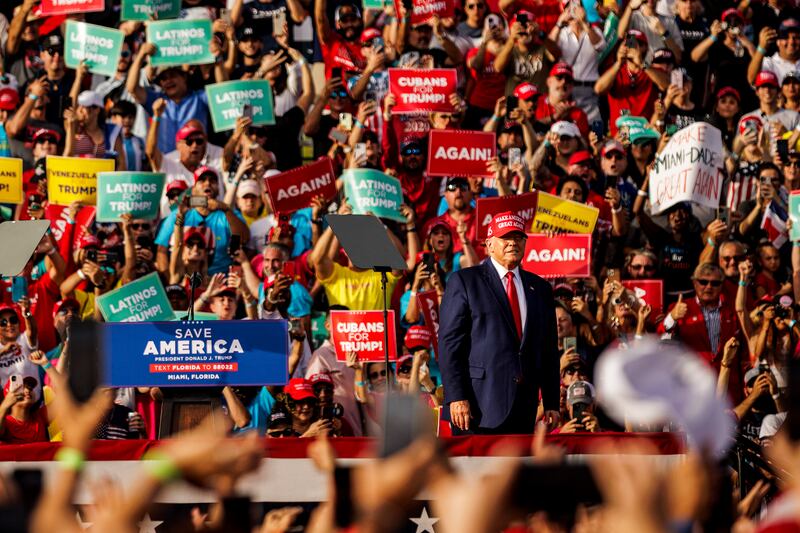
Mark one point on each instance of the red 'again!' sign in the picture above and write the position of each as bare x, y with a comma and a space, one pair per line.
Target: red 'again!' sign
422, 90
460, 152
560, 256
362, 332
294, 189
66, 7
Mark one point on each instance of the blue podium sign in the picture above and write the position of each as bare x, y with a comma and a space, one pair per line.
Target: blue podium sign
181, 354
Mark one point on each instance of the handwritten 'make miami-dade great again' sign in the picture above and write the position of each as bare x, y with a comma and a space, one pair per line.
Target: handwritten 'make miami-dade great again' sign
689, 169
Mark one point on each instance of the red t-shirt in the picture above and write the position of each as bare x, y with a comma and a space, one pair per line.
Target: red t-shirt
489, 85
44, 294
24, 432
343, 54
472, 230
545, 12
576, 115
634, 92
423, 193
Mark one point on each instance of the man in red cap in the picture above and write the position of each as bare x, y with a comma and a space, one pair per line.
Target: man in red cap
527, 97
9, 100
497, 340
786, 59
558, 103
769, 109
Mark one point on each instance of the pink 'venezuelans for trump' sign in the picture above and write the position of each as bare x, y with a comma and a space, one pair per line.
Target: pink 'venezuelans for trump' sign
460, 152
419, 90
294, 189
66, 7
567, 255
689, 169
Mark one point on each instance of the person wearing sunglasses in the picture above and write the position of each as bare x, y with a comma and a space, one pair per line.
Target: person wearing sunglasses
59, 78
641, 264
317, 125
16, 347
340, 44
558, 103
303, 408
280, 425
373, 82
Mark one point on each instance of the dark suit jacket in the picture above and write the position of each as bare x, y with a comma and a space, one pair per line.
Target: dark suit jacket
480, 356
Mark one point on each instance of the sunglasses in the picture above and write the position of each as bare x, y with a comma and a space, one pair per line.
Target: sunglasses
196, 244
288, 432
475, 6
614, 155
53, 51
349, 17
308, 402
199, 141
729, 258
43, 140
173, 195
67, 310
140, 226
341, 94
412, 151
405, 369
377, 374
452, 187
793, 163
642, 267
13, 320
712, 282
125, 54
565, 138
572, 370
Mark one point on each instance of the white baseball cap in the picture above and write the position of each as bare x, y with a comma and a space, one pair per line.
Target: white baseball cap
562, 127
89, 99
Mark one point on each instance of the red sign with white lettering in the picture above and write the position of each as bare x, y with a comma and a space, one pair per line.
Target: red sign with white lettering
422, 90
460, 152
648, 292
66, 7
294, 189
559, 256
522, 205
362, 332
424, 10
429, 306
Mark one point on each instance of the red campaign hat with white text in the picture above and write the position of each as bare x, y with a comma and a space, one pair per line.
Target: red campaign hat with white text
767, 77
504, 223
299, 389
418, 337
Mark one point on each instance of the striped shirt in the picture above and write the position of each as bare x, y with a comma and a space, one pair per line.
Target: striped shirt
713, 323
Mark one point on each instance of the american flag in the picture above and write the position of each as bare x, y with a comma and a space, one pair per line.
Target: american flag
774, 223
743, 186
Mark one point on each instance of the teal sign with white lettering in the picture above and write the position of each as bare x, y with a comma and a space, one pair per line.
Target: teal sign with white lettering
180, 42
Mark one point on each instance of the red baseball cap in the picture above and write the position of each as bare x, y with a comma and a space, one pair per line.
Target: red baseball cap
526, 91
522, 12
177, 185
766, 77
203, 233
418, 337
188, 129
89, 240
639, 36
579, 157
562, 69
729, 91
299, 389
66, 301
369, 34
437, 222
321, 377
46, 131
504, 223
732, 12
9, 99
205, 170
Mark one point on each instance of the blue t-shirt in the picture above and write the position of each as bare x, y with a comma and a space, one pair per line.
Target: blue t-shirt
301, 220
259, 410
193, 106
487, 193
219, 226
301, 300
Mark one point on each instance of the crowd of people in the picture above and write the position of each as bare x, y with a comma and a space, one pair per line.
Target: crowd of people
582, 97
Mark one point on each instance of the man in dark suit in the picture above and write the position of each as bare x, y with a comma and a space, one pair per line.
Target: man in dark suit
497, 340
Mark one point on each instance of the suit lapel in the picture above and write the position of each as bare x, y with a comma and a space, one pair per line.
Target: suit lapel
497, 290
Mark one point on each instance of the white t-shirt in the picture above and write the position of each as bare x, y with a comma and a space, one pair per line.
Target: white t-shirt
175, 170
16, 362
779, 66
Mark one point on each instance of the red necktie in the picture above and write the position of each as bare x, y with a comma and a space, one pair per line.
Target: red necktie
511, 292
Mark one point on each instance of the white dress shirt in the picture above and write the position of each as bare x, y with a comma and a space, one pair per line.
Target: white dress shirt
523, 303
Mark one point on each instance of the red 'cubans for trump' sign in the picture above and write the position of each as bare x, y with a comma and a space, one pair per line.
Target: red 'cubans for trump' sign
362, 332
424, 10
460, 152
422, 90
294, 189
560, 256
522, 205
65, 7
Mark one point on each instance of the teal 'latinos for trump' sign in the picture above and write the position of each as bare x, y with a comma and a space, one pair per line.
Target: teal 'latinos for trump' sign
150, 9
99, 47
180, 42
137, 193
143, 300
227, 100
372, 191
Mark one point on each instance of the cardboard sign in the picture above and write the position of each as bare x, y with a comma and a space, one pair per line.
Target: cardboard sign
216, 353
150, 9
372, 191
522, 205
422, 90
11, 180
794, 215
554, 213
429, 307
460, 152
70, 7
143, 300
362, 332
689, 169
137, 193
559, 256
180, 42
71, 179
424, 10
648, 292
99, 47
227, 100
294, 189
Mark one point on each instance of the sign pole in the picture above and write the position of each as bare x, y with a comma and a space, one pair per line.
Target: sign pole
384, 281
